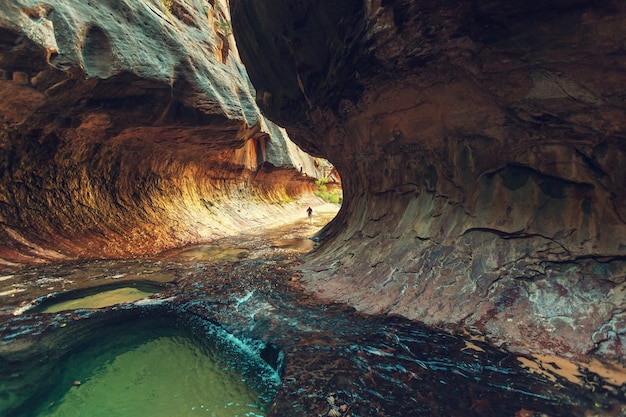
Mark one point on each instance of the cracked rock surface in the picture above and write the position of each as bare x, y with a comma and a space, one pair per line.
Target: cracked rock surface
481, 146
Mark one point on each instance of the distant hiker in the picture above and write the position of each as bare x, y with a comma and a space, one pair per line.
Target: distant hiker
309, 212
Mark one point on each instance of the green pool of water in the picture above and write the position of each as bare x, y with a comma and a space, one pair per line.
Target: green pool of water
148, 373
99, 300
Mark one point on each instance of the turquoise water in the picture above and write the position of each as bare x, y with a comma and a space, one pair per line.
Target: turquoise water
156, 373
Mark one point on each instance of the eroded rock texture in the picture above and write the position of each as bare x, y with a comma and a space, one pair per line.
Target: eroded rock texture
482, 151
128, 127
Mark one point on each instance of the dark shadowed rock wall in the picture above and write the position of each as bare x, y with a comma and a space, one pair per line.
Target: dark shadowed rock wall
129, 127
482, 150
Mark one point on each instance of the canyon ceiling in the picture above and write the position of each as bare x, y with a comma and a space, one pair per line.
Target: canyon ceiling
481, 147
130, 127
482, 151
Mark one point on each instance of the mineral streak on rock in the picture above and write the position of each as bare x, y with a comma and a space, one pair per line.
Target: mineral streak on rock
482, 151
129, 127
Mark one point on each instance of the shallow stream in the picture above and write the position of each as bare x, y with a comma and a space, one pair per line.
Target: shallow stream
229, 332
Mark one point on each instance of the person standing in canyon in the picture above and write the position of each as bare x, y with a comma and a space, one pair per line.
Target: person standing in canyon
309, 213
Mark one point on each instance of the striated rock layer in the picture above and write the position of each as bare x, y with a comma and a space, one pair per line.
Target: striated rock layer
129, 127
482, 149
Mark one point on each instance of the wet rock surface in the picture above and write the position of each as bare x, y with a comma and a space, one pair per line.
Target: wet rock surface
368, 365
481, 150
481, 145
333, 360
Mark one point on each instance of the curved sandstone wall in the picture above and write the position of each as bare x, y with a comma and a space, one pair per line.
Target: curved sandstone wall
482, 155
129, 127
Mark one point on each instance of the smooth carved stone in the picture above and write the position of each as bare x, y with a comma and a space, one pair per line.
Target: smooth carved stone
509, 122
130, 127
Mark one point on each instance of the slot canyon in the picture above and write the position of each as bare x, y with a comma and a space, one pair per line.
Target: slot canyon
480, 146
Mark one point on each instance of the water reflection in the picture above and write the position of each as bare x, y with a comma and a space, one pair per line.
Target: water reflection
207, 253
101, 299
297, 244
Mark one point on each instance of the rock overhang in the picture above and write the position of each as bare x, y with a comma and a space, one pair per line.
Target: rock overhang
127, 127
481, 148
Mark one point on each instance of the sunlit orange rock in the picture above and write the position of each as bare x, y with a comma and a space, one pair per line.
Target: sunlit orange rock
130, 127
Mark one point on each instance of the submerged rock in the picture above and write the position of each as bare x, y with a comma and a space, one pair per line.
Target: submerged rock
329, 357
